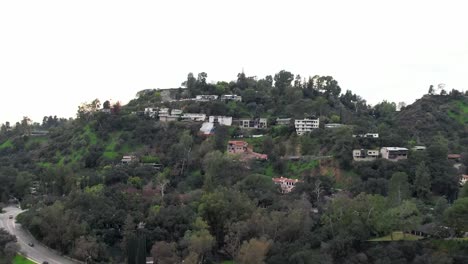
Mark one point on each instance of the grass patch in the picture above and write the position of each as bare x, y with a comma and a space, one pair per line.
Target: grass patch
460, 112
22, 260
6, 144
91, 135
295, 169
45, 165
397, 236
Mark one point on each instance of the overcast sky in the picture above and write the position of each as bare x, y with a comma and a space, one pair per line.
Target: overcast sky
55, 55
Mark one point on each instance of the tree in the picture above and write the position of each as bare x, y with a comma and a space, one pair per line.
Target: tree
283, 80
254, 251
431, 89
106, 105
422, 181
398, 189
162, 179
199, 239
456, 216
164, 253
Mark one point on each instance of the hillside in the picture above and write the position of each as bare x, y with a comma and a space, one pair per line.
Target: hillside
123, 182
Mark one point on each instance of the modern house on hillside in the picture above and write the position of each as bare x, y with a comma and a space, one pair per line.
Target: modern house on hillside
151, 112
222, 120
333, 125
283, 121
394, 153
128, 159
231, 97
367, 135
194, 117
206, 97
365, 154
306, 125
253, 123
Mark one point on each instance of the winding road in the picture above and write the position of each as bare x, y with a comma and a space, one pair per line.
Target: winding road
38, 253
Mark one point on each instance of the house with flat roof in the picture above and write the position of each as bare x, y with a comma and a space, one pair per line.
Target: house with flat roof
367, 135
151, 112
128, 159
333, 125
222, 120
283, 121
365, 154
394, 153
194, 117
306, 125
258, 123
231, 97
206, 97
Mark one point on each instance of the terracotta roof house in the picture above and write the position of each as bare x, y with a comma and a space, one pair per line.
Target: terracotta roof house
286, 184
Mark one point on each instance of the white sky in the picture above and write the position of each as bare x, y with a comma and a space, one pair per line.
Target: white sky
55, 55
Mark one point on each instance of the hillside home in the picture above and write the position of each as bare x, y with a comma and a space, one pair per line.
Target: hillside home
367, 135
365, 154
454, 157
418, 148
283, 121
463, 179
242, 148
151, 112
106, 111
394, 153
231, 97
176, 112
194, 117
333, 125
222, 120
286, 184
237, 146
163, 112
207, 128
306, 125
206, 98
258, 123
128, 159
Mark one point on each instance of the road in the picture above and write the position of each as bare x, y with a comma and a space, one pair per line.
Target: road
38, 253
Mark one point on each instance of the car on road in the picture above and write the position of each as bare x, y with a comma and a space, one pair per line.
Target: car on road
10, 217
31, 244
45, 262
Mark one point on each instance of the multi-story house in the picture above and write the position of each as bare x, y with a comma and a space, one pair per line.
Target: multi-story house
253, 123
231, 97
394, 153
365, 154
306, 125
286, 184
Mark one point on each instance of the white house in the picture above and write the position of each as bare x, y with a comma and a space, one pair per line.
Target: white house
194, 117
151, 112
231, 97
163, 112
283, 121
206, 97
394, 153
306, 125
367, 135
365, 154
463, 179
418, 148
176, 112
222, 120
128, 159
253, 123
333, 125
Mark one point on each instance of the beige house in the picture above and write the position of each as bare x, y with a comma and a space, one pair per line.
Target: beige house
394, 153
365, 154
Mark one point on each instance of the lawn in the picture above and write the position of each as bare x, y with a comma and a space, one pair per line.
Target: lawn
397, 235
460, 113
6, 144
22, 260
